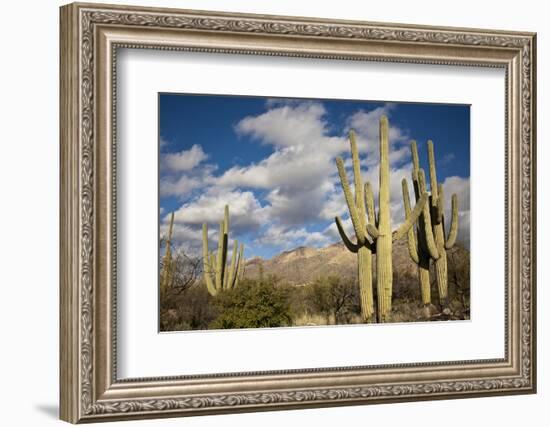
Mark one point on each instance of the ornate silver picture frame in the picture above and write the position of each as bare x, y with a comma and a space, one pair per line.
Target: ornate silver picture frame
91, 36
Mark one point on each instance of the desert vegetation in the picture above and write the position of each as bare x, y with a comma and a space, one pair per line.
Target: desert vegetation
408, 265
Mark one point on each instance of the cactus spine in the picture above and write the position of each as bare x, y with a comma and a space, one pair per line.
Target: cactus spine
167, 262
217, 276
373, 234
430, 241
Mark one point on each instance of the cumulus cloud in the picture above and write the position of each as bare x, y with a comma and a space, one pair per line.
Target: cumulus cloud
286, 125
184, 171
289, 238
178, 187
277, 200
185, 160
246, 212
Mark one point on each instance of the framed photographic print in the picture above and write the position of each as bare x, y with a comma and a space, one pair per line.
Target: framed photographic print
265, 212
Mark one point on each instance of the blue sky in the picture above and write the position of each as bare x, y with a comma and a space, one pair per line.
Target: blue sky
273, 161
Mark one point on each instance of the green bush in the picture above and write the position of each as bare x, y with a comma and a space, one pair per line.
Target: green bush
253, 304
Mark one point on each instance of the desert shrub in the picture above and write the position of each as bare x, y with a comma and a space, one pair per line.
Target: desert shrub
253, 304
335, 298
406, 287
191, 309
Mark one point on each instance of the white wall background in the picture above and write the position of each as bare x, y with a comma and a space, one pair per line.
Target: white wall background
29, 170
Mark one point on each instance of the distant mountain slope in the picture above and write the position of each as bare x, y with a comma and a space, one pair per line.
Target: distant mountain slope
304, 265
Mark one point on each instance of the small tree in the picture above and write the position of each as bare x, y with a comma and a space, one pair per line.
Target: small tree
184, 271
334, 297
254, 304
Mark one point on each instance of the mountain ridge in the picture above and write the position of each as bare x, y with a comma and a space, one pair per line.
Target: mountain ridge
304, 265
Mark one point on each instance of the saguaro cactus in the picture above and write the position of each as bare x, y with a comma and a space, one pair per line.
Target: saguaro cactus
216, 274
437, 203
167, 262
430, 241
357, 212
373, 233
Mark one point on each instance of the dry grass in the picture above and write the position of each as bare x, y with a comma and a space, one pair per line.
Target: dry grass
307, 319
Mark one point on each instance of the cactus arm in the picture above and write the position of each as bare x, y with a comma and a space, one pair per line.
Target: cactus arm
358, 182
453, 232
220, 258
416, 163
239, 273
422, 181
354, 215
230, 281
433, 174
413, 217
369, 200
352, 247
411, 241
373, 231
207, 273
213, 266
440, 203
428, 232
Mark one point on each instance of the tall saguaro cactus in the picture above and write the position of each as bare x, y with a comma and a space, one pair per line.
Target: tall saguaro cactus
421, 243
430, 241
216, 274
437, 205
357, 212
167, 262
373, 233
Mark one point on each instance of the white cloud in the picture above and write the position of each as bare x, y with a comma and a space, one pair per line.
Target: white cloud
245, 211
245, 215
286, 125
289, 238
183, 161
178, 187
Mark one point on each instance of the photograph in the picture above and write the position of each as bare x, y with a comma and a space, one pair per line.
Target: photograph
292, 212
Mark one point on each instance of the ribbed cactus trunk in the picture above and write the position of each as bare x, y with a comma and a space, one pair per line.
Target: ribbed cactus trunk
424, 280
384, 241
436, 204
364, 264
441, 266
167, 262
416, 241
424, 258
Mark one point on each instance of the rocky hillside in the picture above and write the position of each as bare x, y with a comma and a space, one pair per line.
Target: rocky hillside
304, 265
